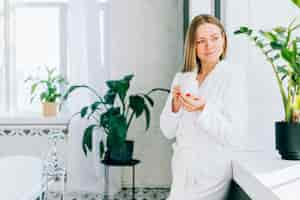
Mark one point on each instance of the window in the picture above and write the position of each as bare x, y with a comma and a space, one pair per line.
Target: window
34, 35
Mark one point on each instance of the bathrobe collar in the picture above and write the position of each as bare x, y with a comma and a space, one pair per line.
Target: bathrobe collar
211, 74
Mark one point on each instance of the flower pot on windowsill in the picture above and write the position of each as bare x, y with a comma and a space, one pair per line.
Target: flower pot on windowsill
287, 137
49, 109
122, 154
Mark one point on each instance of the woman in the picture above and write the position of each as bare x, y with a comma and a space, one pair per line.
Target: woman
206, 113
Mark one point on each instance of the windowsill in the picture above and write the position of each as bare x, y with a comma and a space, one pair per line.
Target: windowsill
266, 176
36, 119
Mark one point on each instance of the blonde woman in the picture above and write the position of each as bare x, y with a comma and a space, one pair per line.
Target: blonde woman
206, 113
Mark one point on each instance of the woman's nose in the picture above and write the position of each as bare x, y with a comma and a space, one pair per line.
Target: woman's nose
209, 44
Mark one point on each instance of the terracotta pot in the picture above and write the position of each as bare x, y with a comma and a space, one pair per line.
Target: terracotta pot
49, 109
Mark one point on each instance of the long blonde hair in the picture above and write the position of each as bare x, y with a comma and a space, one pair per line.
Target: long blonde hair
190, 58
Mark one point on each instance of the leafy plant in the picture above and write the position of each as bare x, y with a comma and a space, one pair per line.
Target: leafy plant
47, 89
114, 112
282, 51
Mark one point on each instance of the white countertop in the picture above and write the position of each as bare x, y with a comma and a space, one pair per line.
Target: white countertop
265, 176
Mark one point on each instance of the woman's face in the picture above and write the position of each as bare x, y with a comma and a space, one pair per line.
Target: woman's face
209, 43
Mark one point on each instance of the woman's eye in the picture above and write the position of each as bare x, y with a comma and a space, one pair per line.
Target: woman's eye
200, 41
215, 38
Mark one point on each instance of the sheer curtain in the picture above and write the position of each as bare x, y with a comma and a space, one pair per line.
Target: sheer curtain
84, 67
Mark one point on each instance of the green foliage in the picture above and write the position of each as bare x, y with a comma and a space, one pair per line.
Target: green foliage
114, 112
283, 52
297, 3
47, 89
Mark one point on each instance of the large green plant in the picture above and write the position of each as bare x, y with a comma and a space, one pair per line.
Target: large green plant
114, 112
282, 51
46, 88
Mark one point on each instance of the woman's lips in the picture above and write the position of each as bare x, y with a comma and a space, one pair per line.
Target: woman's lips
210, 53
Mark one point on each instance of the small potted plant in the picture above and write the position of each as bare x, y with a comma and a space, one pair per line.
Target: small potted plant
48, 90
282, 51
114, 113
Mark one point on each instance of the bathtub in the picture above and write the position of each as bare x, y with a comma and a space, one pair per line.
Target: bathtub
20, 178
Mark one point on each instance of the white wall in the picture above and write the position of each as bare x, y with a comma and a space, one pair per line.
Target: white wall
265, 104
200, 7
147, 40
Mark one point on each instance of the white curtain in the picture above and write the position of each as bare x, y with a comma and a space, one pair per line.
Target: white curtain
86, 173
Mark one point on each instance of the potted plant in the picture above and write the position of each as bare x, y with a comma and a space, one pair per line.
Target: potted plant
114, 113
48, 90
282, 51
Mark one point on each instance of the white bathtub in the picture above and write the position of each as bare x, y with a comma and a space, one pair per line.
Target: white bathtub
20, 177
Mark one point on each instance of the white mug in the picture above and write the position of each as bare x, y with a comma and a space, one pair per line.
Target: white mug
190, 88
189, 84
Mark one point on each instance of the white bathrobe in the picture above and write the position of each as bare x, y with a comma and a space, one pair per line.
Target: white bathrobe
205, 140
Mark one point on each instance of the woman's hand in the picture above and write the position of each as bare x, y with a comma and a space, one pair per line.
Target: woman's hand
176, 101
192, 103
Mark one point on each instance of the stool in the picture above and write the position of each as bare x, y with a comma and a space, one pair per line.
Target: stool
132, 163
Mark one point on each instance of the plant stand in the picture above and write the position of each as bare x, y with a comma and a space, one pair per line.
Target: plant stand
132, 163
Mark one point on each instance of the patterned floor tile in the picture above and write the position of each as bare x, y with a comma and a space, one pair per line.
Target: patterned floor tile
124, 194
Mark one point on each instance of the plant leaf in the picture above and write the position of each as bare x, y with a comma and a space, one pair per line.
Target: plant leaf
286, 54
95, 105
120, 86
283, 77
276, 45
72, 89
33, 88
128, 77
270, 36
282, 69
280, 29
243, 29
43, 96
87, 140
149, 99
105, 117
101, 148
137, 104
297, 3
110, 96
83, 111
148, 117
117, 126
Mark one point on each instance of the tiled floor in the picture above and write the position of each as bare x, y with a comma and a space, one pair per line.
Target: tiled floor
125, 194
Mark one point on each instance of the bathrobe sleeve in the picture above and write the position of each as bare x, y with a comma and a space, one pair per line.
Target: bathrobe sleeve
227, 120
169, 120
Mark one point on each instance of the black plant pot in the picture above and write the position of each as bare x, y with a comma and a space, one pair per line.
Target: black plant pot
287, 137
123, 154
